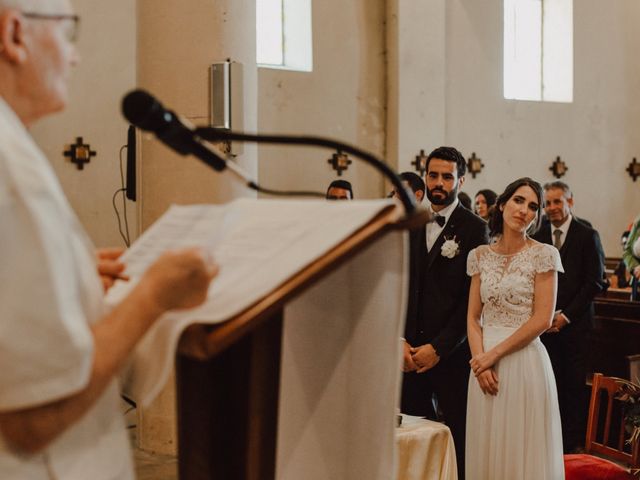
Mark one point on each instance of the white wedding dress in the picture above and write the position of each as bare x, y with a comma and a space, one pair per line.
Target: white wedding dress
515, 435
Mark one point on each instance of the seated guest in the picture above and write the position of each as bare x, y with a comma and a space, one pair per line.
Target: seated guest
465, 200
632, 258
621, 277
414, 182
339, 190
485, 200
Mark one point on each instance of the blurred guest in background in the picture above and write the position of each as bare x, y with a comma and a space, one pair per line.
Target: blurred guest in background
485, 200
631, 255
414, 182
465, 200
339, 190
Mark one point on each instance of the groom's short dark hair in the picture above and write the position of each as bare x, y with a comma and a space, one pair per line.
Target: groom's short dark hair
449, 154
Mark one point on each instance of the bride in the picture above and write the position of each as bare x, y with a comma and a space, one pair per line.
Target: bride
513, 420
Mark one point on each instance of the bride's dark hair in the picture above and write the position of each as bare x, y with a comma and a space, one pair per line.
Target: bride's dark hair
496, 222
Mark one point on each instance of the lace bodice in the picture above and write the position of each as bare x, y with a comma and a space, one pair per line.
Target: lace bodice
506, 281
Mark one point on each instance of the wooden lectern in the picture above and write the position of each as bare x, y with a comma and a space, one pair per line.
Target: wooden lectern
229, 380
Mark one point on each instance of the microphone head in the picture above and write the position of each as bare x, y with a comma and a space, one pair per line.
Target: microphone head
145, 112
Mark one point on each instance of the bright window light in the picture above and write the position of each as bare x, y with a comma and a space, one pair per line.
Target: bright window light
270, 33
538, 50
284, 34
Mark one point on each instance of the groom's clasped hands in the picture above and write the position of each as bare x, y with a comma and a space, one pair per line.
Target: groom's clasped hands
419, 359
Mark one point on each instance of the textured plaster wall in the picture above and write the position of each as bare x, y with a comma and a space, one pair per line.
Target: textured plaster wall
343, 97
106, 71
597, 135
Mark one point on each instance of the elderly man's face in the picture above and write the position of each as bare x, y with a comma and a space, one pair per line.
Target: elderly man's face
51, 55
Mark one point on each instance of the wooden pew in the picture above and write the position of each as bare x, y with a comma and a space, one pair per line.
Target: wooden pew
615, 337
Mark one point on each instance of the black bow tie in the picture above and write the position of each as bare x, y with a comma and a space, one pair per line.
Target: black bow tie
440, 220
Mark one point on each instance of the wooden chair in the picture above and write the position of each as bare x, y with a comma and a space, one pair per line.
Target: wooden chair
601, 428
634, 367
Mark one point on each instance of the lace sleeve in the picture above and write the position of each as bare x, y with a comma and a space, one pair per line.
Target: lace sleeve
548, 258
472, 263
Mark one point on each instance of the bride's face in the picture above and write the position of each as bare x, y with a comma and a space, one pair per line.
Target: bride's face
521, 210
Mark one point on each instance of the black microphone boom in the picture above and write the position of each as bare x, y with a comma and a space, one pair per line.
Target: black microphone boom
145, 112
216, 134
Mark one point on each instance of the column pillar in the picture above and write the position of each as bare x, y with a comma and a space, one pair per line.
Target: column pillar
416, 79
177, 42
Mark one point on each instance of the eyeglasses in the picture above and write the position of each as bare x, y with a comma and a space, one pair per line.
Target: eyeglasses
73, 22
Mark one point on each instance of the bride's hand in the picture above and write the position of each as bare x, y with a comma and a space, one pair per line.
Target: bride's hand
488, 381
483, 361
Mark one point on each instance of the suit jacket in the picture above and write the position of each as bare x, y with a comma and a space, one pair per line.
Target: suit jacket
582, 279
439, 286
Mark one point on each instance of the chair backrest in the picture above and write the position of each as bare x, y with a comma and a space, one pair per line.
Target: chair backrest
634, 367
614, 448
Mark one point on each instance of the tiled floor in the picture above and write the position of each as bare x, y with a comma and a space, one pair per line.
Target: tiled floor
155, 467
148, 466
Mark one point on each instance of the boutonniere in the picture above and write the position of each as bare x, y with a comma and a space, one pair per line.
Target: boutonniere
450, 248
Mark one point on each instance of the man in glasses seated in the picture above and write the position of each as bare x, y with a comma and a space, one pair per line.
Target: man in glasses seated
60, 351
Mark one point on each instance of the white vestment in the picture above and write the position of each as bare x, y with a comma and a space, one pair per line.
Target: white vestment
50, 294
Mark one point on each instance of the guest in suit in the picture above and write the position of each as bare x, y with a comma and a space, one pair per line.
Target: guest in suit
436, 353
412, 181
339, 190
465, 200
581, 281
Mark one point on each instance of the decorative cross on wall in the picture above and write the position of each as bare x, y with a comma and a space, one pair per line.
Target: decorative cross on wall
79, 153
339, 162
634, 169
474, 165
420, 163
559, 168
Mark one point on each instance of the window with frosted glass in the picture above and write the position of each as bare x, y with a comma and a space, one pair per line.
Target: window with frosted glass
283, 37
538, 50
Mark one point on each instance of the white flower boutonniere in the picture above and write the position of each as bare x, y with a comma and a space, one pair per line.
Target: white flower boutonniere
450, 248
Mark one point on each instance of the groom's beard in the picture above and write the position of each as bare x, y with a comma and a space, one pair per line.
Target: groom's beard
445, 200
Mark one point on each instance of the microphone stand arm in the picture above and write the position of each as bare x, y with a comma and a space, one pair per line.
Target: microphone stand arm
218, 135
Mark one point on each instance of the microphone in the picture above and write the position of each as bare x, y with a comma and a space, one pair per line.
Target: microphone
145, 112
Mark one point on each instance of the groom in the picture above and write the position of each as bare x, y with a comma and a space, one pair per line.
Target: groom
436, 353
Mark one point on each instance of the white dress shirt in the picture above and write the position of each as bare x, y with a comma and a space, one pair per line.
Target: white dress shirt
564, 228
433, 229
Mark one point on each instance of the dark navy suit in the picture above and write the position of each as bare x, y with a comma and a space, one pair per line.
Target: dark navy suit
437, 314
581, 281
